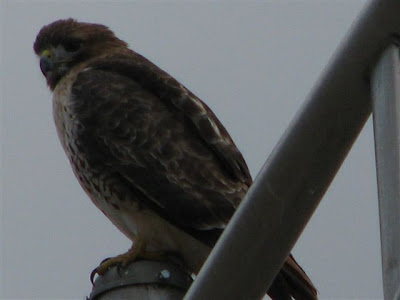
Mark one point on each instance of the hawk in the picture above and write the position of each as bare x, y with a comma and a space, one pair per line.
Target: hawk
150, 154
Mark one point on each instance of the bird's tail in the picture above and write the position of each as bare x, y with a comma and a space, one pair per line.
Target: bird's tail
292, 283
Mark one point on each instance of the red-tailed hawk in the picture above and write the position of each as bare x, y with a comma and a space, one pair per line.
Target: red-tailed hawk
150, 154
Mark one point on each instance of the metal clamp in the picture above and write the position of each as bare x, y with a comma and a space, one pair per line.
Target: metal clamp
141, 272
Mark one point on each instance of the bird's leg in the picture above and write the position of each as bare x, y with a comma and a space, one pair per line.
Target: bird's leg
137, 251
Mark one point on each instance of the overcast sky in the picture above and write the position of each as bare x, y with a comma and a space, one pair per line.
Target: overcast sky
252, 63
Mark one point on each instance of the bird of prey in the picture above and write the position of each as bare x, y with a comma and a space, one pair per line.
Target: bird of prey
150, 154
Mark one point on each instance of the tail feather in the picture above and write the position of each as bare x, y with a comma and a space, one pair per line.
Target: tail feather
280, 289
292, 282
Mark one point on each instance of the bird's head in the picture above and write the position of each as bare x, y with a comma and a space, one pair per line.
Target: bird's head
64, 44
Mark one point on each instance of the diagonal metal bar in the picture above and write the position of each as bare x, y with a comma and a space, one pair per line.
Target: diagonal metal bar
386, 109
293, 180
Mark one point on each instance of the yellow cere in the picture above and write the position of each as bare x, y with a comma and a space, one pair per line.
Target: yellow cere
46, 53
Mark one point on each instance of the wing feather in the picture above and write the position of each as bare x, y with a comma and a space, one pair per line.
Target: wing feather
172, 93
174, 152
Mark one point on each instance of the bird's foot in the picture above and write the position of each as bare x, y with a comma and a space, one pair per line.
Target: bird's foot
137, 251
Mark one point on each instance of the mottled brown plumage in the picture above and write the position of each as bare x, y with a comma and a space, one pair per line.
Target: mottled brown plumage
149, 153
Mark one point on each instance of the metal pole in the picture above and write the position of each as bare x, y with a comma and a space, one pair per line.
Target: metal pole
289, 187
386, 112
142, 279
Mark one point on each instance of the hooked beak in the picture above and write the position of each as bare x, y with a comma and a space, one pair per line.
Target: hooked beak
54, 64
46, 65
46, 62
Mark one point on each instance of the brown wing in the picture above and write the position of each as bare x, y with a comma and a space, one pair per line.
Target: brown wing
179, 158
172, 93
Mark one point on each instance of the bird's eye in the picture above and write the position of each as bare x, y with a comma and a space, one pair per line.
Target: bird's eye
72, 45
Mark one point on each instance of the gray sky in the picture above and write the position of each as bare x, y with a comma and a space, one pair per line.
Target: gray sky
253, 63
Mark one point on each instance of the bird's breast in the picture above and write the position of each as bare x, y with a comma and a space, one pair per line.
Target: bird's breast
95, 179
